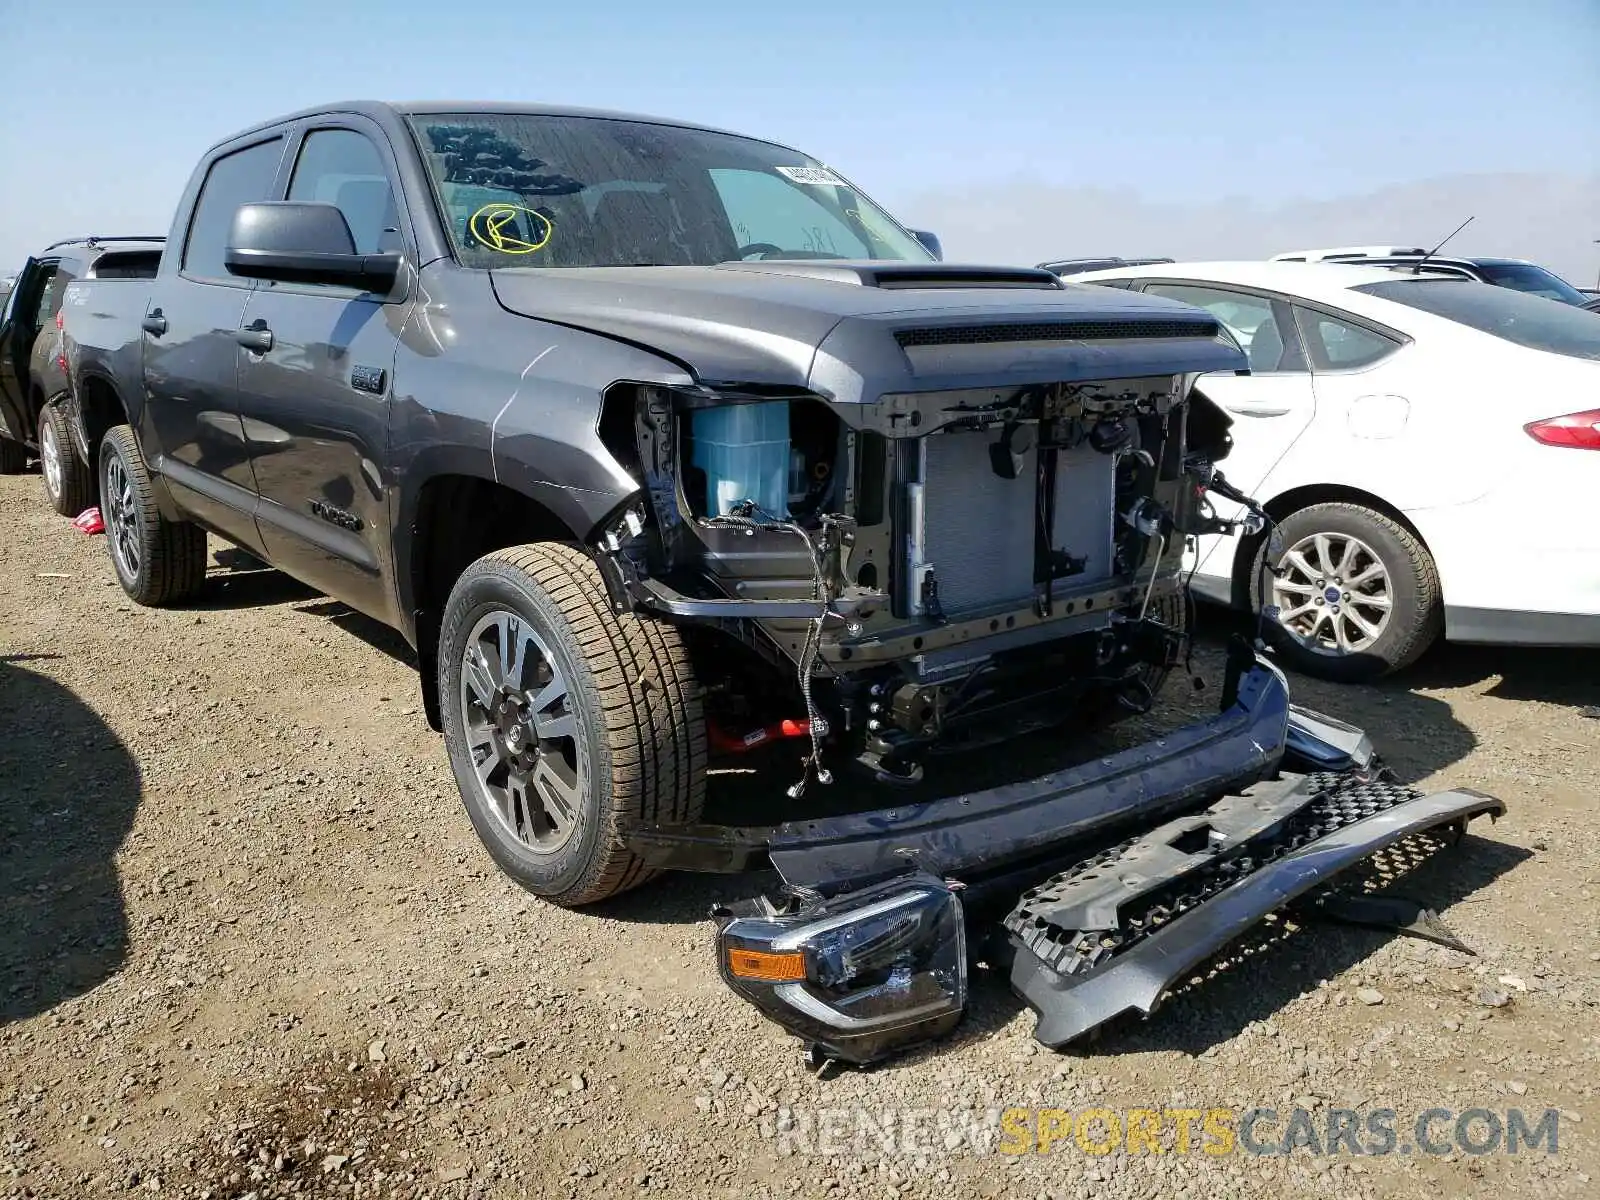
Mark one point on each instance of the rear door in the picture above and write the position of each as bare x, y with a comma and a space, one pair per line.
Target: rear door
191, 431
1271, 407
25, 314
1370, 400
46, 368
314, 390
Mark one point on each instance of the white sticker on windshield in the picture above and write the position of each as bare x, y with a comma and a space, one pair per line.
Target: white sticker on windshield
819, 176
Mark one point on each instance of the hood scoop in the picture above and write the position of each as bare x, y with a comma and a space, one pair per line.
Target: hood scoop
905, 276
1053, 331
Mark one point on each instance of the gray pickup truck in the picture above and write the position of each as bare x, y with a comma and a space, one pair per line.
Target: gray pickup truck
661, 444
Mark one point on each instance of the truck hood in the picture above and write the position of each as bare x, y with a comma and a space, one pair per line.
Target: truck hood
853, 331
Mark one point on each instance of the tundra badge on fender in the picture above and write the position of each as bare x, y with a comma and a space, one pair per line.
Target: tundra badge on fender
337, 516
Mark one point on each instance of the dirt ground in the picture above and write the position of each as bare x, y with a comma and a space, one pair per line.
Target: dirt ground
249, 946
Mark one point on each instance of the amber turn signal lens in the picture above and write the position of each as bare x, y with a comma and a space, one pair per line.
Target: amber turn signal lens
766, 966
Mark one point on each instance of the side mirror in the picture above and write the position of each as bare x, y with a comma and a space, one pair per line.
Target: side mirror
294, 242
930, 242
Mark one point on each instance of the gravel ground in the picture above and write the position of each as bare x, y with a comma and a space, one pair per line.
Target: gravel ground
250, 947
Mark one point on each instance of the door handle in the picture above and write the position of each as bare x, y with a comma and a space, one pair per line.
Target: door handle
154, 324
255, 337
1258, 410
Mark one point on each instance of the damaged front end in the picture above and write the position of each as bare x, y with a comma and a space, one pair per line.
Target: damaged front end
955, 534
935, 569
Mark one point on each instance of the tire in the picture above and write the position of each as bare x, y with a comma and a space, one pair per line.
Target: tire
13, 457
1391, 563
157, 561
623, 744
68, 483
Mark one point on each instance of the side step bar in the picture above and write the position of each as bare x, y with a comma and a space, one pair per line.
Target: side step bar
1116, 932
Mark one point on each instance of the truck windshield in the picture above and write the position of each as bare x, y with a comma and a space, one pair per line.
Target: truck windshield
571, 191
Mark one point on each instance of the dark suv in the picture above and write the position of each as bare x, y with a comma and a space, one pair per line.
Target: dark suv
32, 370
1514, 273
1077, 266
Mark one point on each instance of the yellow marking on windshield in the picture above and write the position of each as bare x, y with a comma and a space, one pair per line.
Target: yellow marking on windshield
491, 222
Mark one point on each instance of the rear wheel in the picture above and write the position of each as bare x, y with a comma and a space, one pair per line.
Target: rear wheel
157, 561
567, 724
67, 481
1357, 593
13, 457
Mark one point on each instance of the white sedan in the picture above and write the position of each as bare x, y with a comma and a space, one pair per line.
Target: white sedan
1426, 447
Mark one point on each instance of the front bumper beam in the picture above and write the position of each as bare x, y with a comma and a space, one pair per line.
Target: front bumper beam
981, 831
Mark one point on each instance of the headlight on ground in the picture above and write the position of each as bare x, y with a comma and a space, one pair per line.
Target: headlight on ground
857, 976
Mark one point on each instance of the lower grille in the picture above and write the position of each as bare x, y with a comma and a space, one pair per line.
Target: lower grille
979, 528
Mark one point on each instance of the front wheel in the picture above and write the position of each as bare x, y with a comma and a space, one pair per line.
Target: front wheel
1357, 593
157, 561
567, 724
68, 484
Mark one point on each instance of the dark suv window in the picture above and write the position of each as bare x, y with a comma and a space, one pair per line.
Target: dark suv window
343, 168
242, 177
48, 300
1529, 277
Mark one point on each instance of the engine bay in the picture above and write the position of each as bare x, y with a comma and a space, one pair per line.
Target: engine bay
928, 572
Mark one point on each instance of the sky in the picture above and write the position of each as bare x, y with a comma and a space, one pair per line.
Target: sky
1019, 130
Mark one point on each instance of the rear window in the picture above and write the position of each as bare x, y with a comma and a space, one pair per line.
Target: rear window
1517, 317
126, 264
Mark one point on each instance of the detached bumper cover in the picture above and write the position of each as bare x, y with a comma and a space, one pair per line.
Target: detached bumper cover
857, 953
1117, 932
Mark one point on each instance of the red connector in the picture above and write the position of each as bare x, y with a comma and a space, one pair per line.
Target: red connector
729, 743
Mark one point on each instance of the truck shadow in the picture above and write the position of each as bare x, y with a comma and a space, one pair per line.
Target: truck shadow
69, 800
244, 582
247, 586
374, 633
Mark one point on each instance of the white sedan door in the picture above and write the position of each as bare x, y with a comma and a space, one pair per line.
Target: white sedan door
1271, 407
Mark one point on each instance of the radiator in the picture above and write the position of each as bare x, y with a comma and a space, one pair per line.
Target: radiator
977, 528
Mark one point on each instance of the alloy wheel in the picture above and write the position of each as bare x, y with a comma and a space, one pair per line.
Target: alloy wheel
50, 457
121, 517
1333, 593
528, 747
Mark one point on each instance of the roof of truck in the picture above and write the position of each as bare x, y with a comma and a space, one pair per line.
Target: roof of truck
381, 108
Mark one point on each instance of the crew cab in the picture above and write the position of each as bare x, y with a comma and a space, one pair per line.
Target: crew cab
657, 441
32, 369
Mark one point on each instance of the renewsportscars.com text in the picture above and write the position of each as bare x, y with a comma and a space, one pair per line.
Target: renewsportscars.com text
1209, 1131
